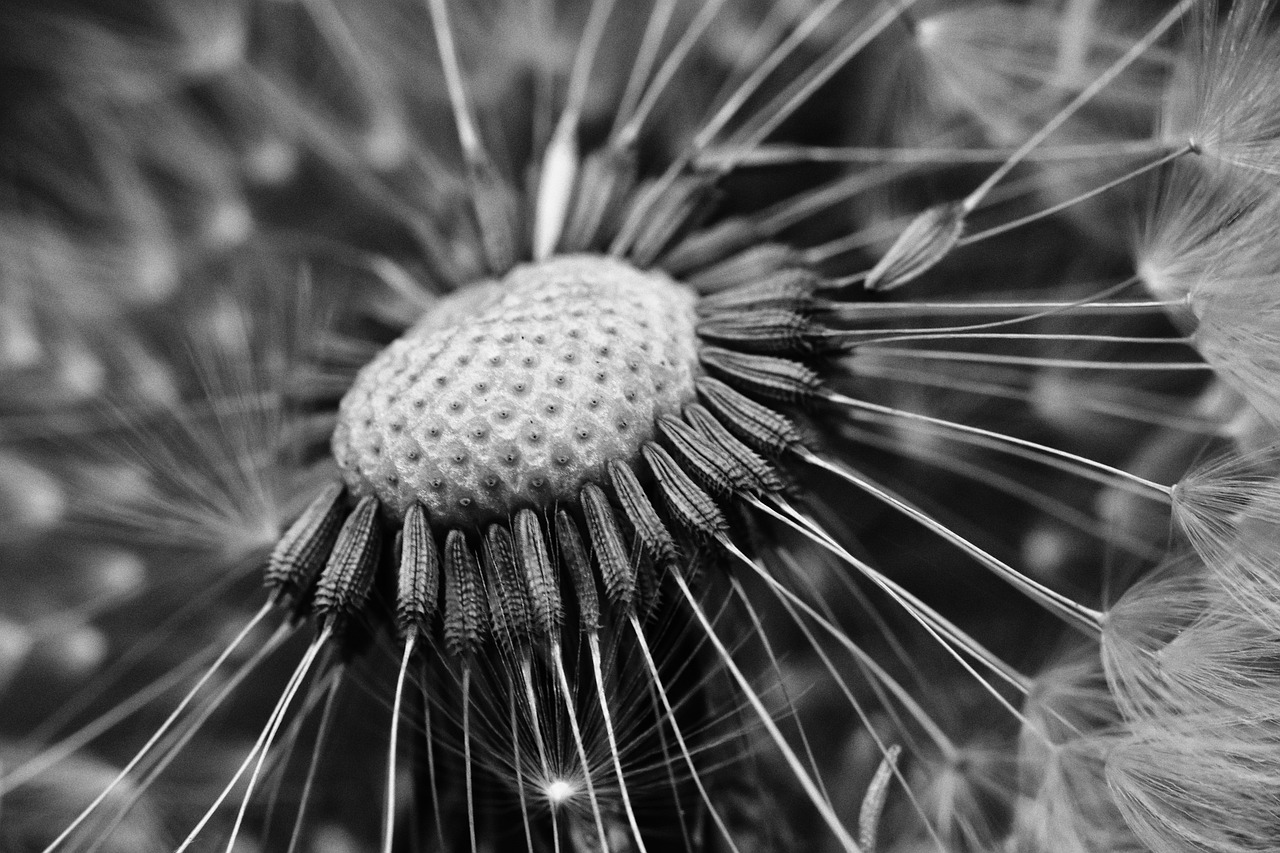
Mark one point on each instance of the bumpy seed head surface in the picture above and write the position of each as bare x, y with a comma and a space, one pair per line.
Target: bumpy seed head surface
515, 394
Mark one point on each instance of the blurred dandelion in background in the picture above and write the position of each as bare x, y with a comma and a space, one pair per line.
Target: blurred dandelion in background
567, 426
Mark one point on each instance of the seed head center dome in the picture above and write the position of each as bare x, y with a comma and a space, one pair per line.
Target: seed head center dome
515, 393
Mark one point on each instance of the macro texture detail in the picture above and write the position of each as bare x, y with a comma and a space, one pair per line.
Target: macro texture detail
538, 383
631, 426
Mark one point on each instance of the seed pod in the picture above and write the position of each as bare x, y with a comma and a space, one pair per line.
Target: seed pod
767, 330
650, 531
691, 506
547, 610
465, 616
616, 568
927, 240
763, 475
776, 378
305, 547
344, 584
418, 582
710, 465
757, 425
574, 557
511, 607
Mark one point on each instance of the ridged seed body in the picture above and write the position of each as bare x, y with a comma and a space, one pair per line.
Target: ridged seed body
515, 394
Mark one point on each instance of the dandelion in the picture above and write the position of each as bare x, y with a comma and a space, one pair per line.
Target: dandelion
600, 503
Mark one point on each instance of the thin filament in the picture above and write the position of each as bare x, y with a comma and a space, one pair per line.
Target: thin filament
164, 727
593, 643
1147, 488
1087, 94
389, 808
797, 768
566, 692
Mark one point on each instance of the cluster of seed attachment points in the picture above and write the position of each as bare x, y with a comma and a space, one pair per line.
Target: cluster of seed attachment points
504, 580
617, 534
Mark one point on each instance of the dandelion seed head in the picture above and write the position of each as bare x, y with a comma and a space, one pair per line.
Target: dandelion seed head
581, 478
523, 399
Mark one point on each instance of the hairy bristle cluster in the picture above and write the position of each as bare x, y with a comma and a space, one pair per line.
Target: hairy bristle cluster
548, 377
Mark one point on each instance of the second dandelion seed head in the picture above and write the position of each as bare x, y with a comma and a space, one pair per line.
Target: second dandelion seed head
516, 394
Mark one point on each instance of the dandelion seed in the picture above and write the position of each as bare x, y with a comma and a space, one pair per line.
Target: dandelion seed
925, 242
